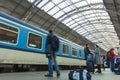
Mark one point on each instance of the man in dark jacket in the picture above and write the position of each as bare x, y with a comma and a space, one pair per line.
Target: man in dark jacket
87, 51
50, 54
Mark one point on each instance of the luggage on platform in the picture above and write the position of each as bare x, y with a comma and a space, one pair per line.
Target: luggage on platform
79, 75
117, 70
89, 66
117, 66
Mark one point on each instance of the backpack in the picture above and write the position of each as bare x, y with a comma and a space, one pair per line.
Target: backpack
55, 43
108, 55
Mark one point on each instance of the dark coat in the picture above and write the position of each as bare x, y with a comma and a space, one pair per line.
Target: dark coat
48, 40
53, 41
48, 46
87, 51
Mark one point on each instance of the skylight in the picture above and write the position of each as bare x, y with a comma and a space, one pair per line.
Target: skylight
85, 17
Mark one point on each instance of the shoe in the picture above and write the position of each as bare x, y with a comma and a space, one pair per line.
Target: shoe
48, 75
97, 71
58, 74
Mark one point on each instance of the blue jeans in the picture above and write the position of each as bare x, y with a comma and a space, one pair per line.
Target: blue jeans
51, 60
112, 65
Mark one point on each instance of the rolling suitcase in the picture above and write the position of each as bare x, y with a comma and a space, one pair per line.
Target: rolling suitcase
90, 66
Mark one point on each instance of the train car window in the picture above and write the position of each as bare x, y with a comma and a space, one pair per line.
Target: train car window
65, 49
8, 34
74, 52
35, 41
80, 53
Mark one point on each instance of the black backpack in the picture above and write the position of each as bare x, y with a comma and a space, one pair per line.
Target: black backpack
55, 43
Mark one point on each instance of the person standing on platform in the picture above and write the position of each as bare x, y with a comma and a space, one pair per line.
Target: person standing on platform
112, 64
104, 59
87, 51
52, 46
97, 59
89, 59
108, 59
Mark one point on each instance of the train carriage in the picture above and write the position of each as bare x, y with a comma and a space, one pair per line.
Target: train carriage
24, 44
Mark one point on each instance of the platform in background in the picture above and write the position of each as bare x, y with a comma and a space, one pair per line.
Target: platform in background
106, 75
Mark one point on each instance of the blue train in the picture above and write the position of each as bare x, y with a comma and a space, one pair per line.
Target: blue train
22, 43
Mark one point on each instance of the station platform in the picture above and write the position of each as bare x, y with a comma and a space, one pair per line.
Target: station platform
105, 75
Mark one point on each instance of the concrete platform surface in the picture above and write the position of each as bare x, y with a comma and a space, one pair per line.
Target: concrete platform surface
105, 75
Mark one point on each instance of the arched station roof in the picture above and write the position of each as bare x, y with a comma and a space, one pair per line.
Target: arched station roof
88, 18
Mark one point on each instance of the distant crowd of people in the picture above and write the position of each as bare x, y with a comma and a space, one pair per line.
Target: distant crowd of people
92, 58
96, 58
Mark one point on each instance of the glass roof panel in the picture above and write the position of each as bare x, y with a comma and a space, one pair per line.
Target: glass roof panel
70, 23
58, 14
87, 17
82, 4
67, 20
75, 16
54, 10
94, 1
74, 1
67, 9
81, 30
48, 6
56, 1
42, 3
73, 25
98, 11
62, 5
